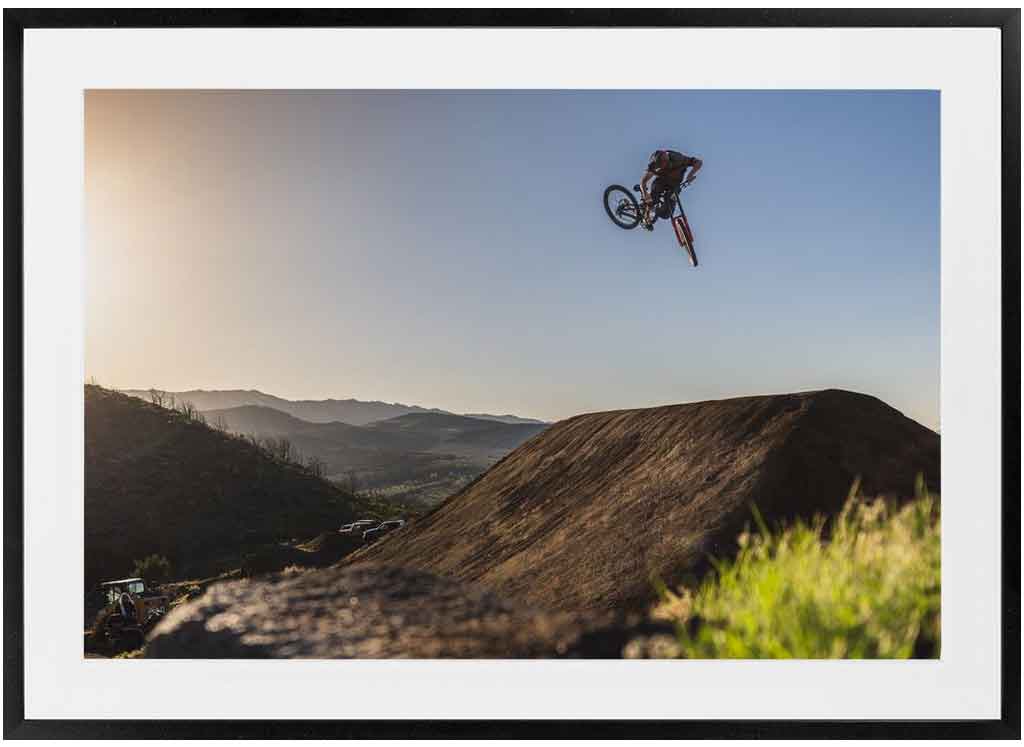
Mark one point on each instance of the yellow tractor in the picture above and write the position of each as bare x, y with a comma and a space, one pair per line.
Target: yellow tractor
131, 610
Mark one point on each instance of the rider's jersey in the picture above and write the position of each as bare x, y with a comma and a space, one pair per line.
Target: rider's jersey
674, 169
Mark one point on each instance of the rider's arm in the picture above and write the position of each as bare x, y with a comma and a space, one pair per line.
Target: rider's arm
697, 163
643, 183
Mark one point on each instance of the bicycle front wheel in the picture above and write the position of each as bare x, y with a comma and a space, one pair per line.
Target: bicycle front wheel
621, 207
683, 235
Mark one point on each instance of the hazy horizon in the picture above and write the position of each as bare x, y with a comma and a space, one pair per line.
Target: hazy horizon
449, 249
426, 406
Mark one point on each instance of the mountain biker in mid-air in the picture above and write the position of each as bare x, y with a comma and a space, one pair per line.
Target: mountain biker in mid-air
668, 169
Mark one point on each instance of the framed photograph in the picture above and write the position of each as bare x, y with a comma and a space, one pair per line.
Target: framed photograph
512, 374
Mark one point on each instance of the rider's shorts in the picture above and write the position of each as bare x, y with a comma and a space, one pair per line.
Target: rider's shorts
661, 184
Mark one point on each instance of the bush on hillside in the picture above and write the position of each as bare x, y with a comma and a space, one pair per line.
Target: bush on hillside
154, 569
864, 585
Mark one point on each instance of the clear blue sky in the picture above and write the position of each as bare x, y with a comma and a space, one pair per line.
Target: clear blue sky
449, 249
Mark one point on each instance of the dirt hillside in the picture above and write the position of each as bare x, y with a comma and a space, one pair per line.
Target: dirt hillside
158, 482
580, 516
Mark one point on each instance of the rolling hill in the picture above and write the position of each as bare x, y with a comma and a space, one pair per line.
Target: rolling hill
259, 419
438, 450
438, 432
464, 436
581, 516
158, 482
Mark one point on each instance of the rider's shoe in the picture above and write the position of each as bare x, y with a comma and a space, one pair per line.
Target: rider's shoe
647, 217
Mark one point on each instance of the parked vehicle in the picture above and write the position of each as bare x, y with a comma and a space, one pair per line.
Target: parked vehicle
131, 610
372, 535
357, 527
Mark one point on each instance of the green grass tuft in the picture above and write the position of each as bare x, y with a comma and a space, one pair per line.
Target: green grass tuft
864, 585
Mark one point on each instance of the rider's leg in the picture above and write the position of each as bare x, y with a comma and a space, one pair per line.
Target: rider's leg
657, 187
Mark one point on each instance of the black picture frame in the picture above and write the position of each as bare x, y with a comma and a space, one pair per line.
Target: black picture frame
16, 21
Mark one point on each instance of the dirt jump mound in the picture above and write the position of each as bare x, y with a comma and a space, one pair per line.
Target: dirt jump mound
581, 516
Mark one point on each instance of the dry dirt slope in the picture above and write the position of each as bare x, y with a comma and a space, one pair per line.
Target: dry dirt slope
578, 517
156, 482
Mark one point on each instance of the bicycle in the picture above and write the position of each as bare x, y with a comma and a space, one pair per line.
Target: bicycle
625, 212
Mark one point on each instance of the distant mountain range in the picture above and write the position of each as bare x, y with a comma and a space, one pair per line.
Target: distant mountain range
351, 411
413, 456
415, 448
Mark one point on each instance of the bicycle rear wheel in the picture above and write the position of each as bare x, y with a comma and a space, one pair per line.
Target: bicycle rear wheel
621, 207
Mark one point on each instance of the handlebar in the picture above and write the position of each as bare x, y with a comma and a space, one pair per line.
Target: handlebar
682, 185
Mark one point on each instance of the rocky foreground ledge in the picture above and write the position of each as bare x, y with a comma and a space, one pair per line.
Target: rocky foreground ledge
371, 611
